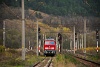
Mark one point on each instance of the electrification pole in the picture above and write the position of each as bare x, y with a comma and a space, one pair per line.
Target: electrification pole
71, 45
57, 42
74, 38
85, 35
23, 32
80, 44
82, 40
29, 45
45, 37
3, 33
76, 42
37, 39
43, 40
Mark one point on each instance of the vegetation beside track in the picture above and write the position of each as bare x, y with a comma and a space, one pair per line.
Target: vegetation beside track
12, 58
91, 53
65, 60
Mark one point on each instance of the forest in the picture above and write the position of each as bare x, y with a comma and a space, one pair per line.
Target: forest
60, 7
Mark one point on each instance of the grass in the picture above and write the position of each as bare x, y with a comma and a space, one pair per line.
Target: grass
66, 60
59, 61
92, 51
33, 59
71, 59
95, 58
13, 59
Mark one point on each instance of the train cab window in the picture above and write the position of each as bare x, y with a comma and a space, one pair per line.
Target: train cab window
52, 42
49, 42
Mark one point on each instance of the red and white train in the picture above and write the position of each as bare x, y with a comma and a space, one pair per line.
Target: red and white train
49, 47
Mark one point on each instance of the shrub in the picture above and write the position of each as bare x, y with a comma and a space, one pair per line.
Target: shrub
12, 51
2, 48
15, 62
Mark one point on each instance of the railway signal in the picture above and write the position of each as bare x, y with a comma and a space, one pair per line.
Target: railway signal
97, 38
59, 37
60, 41
39, 39
39, 31
75, 41
97, 34
75, 36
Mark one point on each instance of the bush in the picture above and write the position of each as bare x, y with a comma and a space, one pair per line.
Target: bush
12, 51
15, 62
2, 48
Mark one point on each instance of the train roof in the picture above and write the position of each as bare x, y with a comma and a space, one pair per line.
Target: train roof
49, 39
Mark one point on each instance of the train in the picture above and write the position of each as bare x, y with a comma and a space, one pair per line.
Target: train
49, 47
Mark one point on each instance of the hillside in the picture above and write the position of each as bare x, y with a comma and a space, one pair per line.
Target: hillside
49, 24
13, 32
53, 14
61, 7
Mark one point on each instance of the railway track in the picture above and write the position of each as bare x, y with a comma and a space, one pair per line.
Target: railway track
46, 62
87, 62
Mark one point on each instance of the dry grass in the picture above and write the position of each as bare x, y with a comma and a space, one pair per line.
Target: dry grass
12, 58
70, 65
92, 53
62, 60
92, 48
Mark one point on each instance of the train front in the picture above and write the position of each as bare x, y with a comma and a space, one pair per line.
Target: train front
49, 47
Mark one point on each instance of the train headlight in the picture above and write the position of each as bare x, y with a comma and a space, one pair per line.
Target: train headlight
52, 47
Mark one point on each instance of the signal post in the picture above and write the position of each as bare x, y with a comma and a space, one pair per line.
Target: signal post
60, 42
97, 38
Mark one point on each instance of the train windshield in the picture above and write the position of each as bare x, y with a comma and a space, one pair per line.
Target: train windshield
49, 43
